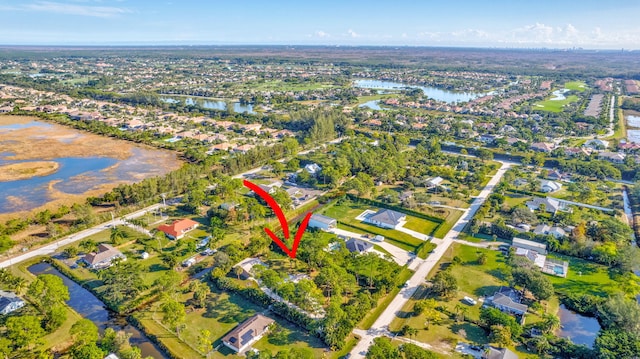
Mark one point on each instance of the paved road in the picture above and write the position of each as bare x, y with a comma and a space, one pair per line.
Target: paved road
53, 247
381, 325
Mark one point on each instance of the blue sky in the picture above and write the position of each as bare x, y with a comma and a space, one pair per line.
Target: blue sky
497, 23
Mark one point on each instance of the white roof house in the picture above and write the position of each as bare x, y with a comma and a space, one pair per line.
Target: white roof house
531, 245
10, 302
313, 168
434, 182
596, 144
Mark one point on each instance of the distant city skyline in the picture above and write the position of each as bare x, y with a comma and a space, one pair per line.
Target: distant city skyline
585, 24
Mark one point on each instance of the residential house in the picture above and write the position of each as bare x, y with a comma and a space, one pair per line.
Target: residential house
104, 257
488, 139
551, 205
508, 300
323, 222
614, 157
405, 195
313, 168
596, 144
386, 218
530, 245
247, 266
547, 186
227, 206
498, 353
577, 151
358, 246
179, 228
434, 182
555, 175
535, 257
243, 149
10, 302
544, 230
248, 332
542, 146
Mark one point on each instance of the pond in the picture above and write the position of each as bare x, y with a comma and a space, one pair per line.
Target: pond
373, 104
578, 328
633, 136
86, 164
633, 121
431, 92
558, 95
90, 307
212, 104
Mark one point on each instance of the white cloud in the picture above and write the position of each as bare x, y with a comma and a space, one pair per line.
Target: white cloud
353, 34
321, 34
73, 9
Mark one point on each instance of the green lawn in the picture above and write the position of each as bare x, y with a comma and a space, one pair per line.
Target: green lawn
555, 106
584, 277
575, 85
223, 313
421, 225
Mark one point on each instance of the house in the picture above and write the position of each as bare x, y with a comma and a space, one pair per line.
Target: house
179, 228
227, 206
434, 182
405, 195
488, 139
386, 218
243, 149
538, 247
555, 175
323, 222
246, 333
535, 257
247, 266
268, 188
542, 146
103, 258
543, 230
9, 302
498, 353
575, 151
551, 205
111, 356
358, 246
596, 144
614, 157
313, 168
547, 186
508, 301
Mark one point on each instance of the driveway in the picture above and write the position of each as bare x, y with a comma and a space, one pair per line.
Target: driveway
399, 256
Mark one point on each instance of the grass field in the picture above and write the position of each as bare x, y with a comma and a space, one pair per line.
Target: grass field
223, 313
555, 106
584, 277
575, 86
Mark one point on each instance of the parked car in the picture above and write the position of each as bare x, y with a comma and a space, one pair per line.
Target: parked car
469, 300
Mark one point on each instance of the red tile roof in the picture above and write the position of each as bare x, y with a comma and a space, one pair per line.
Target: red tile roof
178, 227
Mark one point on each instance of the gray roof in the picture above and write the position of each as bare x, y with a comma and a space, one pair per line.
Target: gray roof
322, 219
6, 298
505, 297
356, 245
499, 353
387, 216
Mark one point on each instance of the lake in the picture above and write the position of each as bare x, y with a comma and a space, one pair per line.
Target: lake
431, 92
578, 328
212, 104
90, 307
373, 104
633, 121
558, 95
88, 164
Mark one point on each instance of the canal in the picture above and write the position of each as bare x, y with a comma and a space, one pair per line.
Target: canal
90, 307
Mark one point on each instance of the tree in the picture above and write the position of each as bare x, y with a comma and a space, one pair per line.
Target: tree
412, 351
500, 335
170, 260
71, 252
484, 154
444, 284
168, 281
238, 271
616, 343
409, 331
382, 349
24, 330
204, 341
54, 317
88, 245
6, 347
482, 258
533, 281
48, 290
173, 314
84, 332
87, 351
200, 294
550, 323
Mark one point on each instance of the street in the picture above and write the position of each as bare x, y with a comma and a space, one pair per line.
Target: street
381, 325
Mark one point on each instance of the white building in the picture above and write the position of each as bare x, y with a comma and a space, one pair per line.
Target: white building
322, 222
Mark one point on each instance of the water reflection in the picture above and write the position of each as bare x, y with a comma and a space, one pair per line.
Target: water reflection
580, 329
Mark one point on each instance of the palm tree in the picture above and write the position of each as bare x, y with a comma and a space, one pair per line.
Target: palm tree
117, 233
88, 245
550, 323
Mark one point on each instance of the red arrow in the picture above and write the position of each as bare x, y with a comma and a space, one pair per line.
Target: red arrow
283, 221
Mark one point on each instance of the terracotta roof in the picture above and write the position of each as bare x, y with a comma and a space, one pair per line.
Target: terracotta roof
178, 227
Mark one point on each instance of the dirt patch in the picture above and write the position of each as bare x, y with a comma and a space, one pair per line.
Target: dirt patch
24, 170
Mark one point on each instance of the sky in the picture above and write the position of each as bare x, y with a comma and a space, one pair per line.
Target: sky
588, 24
